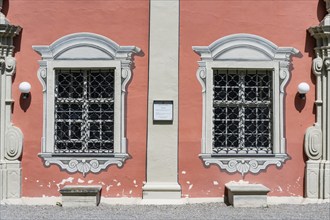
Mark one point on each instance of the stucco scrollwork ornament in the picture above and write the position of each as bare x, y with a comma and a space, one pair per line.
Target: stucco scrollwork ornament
42, 75
83, 165
244, 165
13, 143
126, 75
313, 142
317, 66
327, 63
284, 74
201, 76
10, 63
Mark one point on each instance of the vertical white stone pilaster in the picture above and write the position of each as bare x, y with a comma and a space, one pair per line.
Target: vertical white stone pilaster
10, 136
317, 138
162, 147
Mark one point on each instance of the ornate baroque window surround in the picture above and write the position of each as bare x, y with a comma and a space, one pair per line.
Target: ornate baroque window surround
244, 51
84, 51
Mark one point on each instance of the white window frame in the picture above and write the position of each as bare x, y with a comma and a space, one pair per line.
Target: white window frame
84, 51
244, 51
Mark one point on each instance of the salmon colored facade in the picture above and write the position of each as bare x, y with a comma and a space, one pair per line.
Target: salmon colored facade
284, 23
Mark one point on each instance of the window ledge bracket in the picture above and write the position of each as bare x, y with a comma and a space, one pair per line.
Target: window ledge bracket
246, 164
83, 164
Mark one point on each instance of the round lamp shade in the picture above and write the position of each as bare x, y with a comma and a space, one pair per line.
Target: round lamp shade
24, 87
303, 88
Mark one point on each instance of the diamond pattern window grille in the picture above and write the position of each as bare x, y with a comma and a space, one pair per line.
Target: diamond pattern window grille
84, 111
242, 107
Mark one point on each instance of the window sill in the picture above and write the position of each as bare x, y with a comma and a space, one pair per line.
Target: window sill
84, 163
244, 164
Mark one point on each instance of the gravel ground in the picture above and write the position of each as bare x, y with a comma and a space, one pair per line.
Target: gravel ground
191, 211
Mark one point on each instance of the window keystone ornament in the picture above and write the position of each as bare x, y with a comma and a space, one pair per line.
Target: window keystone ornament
243, 79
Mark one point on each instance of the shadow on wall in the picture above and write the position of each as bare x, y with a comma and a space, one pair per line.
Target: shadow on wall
321, 10
25, 103
5, 7
299, 102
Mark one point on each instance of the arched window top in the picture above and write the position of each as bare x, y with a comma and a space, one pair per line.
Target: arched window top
244, 47
85, 46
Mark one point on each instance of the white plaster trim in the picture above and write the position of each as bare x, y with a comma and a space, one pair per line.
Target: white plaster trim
244, 51
85, 50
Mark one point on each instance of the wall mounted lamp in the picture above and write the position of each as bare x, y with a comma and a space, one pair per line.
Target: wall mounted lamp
303, 88
25, 88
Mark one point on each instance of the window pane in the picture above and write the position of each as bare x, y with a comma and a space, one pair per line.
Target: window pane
242, 116
84, 111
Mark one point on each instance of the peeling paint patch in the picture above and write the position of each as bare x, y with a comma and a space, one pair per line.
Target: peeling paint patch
183, 172
102, 183
130, 192
37, 181
115, 180
70, 179
25, 178
41, 185
134, 182
144, 182
191, 186
280, 189
215, 183
188, 182
108, 187
118, 184
81, 181
49, 184
90, 181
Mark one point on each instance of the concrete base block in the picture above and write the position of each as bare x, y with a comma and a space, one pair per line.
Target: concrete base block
247, 195
161, 190
75, 196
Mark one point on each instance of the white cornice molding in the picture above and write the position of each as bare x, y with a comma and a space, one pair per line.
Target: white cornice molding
261, 48
91, 42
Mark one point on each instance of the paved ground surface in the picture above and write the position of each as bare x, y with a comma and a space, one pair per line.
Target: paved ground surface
192, 211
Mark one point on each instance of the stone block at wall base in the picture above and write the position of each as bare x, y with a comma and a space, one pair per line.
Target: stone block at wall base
247, 195
75, 196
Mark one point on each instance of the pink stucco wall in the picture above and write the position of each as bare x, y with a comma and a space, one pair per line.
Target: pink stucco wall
43, 22
126, 22
282, 22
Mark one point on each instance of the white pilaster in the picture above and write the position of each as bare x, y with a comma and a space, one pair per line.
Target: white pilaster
10, 136
317, 138
162, 148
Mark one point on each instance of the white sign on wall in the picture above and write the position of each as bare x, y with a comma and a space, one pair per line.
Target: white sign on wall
163, 111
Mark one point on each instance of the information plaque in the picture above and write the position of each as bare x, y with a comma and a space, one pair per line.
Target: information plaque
163, 112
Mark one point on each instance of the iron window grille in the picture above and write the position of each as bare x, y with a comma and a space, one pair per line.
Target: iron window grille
242, 107
84, 111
